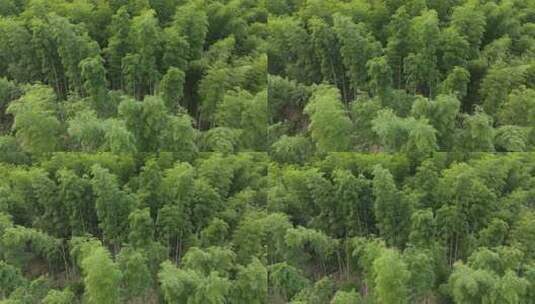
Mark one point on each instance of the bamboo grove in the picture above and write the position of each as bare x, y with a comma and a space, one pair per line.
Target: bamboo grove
267, 151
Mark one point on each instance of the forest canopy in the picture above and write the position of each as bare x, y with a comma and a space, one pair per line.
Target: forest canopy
417, 75
133, 76
267, 152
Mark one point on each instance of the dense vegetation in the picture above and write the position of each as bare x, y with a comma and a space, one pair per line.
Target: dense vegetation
347, 228
278, 151
127, 76
374, 228
393, 75
110, 228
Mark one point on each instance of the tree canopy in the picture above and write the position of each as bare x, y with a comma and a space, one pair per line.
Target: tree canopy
267, 152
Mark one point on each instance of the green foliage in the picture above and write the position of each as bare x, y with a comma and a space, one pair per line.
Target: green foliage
192, 152
22, 244
141, 228
320, 292
345, 297
31, 292
420, 265
192, 21
478, 134
112, 204
213, 259
470, 22
136, 276
11, 152
90, 53
94, 75
140, 67
177, 285
251, 284
455, 56
470, 285
35, 123
172, 87
488, 276
294, 149
8, 92
286, 279
457, 82
363, 113
391, 208
499, 82
86, 130
155, 129
397, 52
404, 134
215, 233
420, 66
59, 297
358, 46
188, 286
311, 228
308, 244
511, 138
101, 277
523, 234
330, 127
73, 46
254, 123
10, 279
380, 74
392, 277
442, 114
247, 114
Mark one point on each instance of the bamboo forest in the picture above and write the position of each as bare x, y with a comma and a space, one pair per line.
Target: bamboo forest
267, 151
